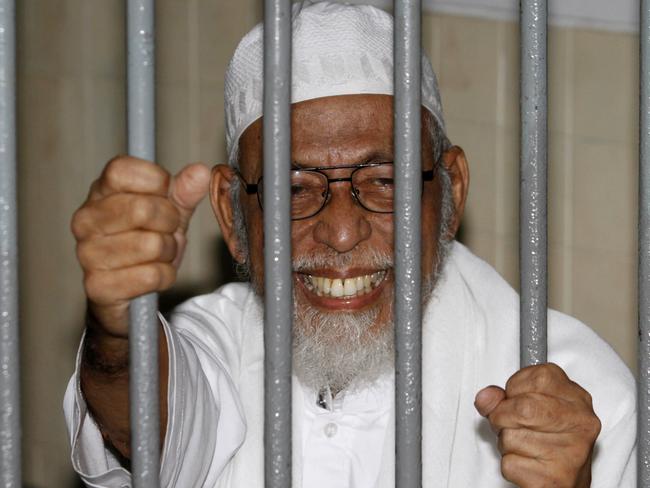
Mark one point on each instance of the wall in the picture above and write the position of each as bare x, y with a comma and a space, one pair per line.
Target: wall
71, 120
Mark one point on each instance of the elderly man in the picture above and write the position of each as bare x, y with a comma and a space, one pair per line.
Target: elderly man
540, 428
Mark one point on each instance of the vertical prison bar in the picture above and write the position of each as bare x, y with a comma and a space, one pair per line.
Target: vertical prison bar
144, 327
10, 442
643, 471
408, 201
533, 185
278, 309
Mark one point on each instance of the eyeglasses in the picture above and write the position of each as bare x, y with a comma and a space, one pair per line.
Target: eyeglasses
371, 184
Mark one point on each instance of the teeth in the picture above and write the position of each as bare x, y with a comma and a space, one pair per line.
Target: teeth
327, 286
366, 284
358, 282
348, 287
337, 288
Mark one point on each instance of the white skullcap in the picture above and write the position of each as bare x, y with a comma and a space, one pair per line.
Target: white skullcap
337, 50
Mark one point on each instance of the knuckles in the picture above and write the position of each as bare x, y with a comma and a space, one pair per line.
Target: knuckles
542, 378
529, 473
142, 210
95, 286
153, 245
592, 427
507, 440
537, 378
85, 255
509, 466
527, 408
117, 172
80, 223
157, 277
114, 169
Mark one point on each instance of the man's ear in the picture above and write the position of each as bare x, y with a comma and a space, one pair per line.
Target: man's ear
223, 177
456, 163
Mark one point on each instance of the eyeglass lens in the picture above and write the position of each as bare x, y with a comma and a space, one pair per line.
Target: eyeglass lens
372, 186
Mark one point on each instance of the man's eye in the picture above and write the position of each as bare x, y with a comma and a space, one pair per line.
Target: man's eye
381, 182
302, 191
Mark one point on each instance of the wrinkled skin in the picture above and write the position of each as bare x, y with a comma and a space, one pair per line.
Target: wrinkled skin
131, 235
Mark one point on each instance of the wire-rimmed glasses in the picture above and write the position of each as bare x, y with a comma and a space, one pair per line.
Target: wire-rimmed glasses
371, 185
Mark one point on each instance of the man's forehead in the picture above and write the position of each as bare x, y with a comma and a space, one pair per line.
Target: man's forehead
342, 115
347, 128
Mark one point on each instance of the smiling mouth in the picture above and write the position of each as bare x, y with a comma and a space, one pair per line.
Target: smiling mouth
344, 288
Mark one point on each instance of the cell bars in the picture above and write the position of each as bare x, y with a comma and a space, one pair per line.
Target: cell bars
407, 240
10, 442
278, 296
533, 183
144, 409
643, 390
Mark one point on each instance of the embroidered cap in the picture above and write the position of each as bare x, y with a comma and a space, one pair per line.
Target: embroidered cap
337, 50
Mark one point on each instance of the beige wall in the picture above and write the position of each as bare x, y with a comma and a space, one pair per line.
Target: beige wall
71, 114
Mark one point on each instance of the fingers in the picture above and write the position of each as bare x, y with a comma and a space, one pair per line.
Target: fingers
547, 378
126, 174
187, 189
534, 411
118, 286
524, 471
532, 472
528, 443
122, 212
488, 398
126, 249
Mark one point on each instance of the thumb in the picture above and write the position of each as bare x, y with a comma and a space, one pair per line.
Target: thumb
488, 398
187, 189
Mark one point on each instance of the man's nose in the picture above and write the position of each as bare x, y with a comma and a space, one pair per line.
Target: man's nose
342, 224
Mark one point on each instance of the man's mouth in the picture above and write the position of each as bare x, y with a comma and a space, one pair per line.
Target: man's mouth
343, 288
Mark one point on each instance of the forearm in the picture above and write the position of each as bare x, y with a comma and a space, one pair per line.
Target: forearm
104, 376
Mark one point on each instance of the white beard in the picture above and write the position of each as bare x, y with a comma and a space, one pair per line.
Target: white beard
338, 350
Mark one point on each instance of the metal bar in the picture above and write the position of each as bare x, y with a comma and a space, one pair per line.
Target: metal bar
408, 201
277, 243
532, 217
144, 328
10, 441
643, 471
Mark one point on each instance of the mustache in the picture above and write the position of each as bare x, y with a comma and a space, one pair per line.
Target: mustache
370, 258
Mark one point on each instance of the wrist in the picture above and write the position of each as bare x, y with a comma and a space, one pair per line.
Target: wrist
104, 353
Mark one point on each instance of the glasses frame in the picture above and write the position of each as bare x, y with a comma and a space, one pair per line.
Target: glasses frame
254, 188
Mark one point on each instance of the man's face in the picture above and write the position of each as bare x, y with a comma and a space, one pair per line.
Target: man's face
343, 241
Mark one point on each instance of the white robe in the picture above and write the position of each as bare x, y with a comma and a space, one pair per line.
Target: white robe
471, 340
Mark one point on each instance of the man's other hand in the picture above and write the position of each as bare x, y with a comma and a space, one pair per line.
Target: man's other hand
130, 233
546, 427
